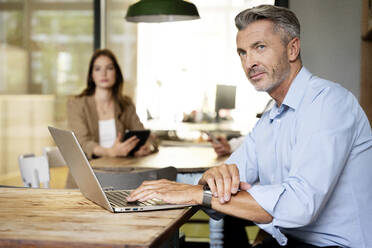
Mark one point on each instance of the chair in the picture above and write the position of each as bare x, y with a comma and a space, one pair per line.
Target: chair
55, 159
54, 156
34, 170
132, 179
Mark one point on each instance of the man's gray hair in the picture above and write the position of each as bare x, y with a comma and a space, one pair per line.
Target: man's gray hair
282, 18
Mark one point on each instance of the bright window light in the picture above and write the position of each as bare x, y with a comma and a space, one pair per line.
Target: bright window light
180, 64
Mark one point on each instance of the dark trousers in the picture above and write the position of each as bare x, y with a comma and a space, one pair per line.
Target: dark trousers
270, 242
234, 234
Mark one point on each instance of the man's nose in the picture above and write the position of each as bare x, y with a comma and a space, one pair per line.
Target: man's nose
250, 61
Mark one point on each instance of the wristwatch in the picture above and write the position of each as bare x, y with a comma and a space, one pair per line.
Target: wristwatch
207, 197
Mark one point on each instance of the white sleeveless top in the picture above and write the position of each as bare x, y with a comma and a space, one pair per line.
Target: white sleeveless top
107, 132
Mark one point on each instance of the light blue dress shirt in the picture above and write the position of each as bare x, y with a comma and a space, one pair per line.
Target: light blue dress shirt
312, 157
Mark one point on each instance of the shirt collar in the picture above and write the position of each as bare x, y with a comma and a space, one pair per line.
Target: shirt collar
297, 89
294, 95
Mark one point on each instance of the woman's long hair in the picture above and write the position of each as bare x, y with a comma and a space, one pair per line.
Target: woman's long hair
117, 88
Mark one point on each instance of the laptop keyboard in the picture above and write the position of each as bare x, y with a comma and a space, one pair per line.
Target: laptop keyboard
118, 198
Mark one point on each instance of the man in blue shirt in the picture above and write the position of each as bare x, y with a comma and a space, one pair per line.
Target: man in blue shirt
304, 171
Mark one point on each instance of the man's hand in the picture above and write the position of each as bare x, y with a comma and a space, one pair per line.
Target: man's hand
168, 191
223, 181
222, 147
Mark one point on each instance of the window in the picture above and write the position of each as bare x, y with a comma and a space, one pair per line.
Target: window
180, 64
121, 38
45, 46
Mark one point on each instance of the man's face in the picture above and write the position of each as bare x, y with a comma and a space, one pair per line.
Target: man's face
264, 57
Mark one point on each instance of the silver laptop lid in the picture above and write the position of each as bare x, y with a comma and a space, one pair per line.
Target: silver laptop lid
79, 166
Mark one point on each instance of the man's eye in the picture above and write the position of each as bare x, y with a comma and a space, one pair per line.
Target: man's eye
241, 53
260, 47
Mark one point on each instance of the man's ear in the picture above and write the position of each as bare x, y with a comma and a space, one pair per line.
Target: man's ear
293, 49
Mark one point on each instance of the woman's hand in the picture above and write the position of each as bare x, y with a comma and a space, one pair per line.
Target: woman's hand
149, 147
144, 150
122, 149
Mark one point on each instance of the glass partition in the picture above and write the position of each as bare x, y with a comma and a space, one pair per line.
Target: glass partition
121, 38
45, 46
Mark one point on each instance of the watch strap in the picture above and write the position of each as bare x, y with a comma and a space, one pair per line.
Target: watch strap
207, 197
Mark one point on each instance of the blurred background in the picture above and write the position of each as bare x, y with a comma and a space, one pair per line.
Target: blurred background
173, 71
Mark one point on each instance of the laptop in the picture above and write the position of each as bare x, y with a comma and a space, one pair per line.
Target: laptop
82, 172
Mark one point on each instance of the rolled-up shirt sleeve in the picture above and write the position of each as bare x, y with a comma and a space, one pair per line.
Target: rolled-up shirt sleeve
298, 200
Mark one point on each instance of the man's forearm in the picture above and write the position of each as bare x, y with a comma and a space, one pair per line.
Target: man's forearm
244, 206
224, 181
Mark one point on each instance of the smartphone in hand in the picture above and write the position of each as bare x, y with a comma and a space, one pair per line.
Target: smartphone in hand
142, 135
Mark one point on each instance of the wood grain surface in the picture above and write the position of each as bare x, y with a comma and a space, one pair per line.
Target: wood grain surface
65, 218
185, 159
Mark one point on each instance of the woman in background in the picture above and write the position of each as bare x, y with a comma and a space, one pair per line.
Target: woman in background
101, 113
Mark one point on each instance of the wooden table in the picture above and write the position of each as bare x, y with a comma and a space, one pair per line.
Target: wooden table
65, 218
187, 159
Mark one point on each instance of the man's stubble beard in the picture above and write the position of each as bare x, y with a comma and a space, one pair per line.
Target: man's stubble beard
279, 73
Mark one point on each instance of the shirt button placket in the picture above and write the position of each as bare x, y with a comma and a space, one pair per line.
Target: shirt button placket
277, 148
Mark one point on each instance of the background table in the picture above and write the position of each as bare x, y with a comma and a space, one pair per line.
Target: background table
187, 159
65, 218
58, 177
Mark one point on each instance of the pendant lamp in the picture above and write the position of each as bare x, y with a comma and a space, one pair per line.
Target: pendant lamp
161, 11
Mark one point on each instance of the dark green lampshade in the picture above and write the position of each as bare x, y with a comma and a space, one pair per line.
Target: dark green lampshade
161, 11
